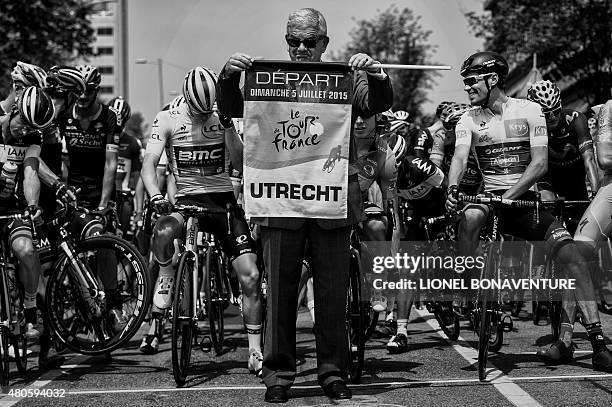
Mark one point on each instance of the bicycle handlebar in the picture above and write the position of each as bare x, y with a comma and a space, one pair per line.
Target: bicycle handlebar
496, 200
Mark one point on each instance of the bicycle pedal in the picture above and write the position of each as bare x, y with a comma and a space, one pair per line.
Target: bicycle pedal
206, 344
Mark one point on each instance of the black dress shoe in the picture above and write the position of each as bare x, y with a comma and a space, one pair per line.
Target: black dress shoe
276, 394
337, 390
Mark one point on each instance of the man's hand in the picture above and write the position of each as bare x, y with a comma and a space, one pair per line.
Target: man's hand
160, 205
64, 192
451, 198
237, 63
365, 62
33, 211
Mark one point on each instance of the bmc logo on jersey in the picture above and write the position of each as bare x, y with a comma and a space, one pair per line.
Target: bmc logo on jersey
200, 156
516, 128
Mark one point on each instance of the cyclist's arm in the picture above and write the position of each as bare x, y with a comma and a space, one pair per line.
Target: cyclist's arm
463, 143
437, 150
139, 198
603, 138
31, 182
235, 147
45, 174
155, 148
580, 128
110, 171
538, 141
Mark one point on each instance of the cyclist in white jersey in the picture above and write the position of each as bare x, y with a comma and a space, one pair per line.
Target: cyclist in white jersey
510, 141
199, 145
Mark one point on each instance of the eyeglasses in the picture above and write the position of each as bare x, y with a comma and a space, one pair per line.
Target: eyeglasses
550, 114
473, 80
310, 42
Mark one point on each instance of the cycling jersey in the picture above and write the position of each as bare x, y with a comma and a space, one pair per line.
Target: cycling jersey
87, 147
442, 152
196, 150
419, 142
417, 177
603, 139
502, 146
129, 150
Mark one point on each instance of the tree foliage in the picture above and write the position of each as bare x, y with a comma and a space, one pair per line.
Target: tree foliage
572, 36
42, 32
396, 37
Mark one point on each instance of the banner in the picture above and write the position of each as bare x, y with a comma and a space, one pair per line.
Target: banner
296, 132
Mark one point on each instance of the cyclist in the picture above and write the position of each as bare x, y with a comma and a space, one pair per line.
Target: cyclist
570, 149
509, 139
92, 137
128, 157
186, 133
19, 183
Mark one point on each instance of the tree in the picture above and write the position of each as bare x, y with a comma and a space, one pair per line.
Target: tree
42, 32
573, 37
396, 37
136, 127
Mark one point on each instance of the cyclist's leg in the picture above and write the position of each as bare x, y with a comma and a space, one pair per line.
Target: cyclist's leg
20, 238
374, 228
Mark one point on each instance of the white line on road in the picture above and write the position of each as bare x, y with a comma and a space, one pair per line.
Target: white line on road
510, 390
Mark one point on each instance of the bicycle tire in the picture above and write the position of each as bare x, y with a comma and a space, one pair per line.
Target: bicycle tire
67, 309
355, 321
496, 342
486, 313
4, 357
214, 301
20, 345
451, 330
184, 327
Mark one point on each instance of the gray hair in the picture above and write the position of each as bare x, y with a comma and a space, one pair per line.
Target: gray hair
308, 16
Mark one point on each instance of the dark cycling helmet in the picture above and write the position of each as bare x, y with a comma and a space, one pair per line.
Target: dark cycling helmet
441, 107
451, 114
485, 62
200, 89
91, 75
61, 79
28, 74
36, 107
546, 94
121, 108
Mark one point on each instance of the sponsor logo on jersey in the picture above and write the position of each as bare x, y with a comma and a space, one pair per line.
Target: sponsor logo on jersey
15, 154
484, 138
84, 140
516, 128
505, 160
205, 160
540, 131
462, 134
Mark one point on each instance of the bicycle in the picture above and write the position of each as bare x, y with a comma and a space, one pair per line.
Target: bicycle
75, 297
12, 319
187, 304
486, 314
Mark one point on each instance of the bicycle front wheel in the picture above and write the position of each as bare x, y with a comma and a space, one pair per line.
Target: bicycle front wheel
4, 356
78, 318
355, 326
183, 319
213, 288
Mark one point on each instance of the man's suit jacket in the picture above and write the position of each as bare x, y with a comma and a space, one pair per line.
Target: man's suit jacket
370, 96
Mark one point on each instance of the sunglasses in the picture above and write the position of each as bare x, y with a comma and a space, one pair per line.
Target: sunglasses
473, 80
310, 42
550, 114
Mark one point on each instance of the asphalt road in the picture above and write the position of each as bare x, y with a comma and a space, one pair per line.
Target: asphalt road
433, 372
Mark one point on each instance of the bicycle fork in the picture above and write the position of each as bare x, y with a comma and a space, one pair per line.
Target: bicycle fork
191, 246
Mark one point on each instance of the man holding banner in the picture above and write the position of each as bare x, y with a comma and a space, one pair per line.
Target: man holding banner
299, 187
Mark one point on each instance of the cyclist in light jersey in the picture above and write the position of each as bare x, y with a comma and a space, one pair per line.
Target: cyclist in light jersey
200, 145
509, 139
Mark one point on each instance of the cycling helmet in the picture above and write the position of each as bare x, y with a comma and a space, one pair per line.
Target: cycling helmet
485, 62
200, 89
36, 107
398, 145
452, 113
388, 115
65, 79
546, 94
28, 74
398, 125
91, 75
121, 108
176, 102
401, 115
441, 107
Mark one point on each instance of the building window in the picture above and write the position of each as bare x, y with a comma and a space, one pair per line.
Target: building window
106, 89
106, 70
105, 50
105, 31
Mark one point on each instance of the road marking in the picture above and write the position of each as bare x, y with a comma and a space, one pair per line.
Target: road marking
510, 390
43, 380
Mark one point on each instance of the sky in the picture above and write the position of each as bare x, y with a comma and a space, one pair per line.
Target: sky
187, 33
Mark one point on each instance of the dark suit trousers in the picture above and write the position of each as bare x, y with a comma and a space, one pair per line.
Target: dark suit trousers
283, 251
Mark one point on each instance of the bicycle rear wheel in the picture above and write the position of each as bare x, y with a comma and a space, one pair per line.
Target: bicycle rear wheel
213, 288
448, 320
355, 326
71, 313
184, 326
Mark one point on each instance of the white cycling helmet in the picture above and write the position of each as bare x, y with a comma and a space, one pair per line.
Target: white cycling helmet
402, 115
200, 89
546, 94
398, 145
29, 75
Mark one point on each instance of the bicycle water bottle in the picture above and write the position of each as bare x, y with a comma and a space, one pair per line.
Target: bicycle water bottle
8, 174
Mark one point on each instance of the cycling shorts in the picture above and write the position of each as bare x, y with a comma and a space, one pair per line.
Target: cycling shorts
596, 223
239, 241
